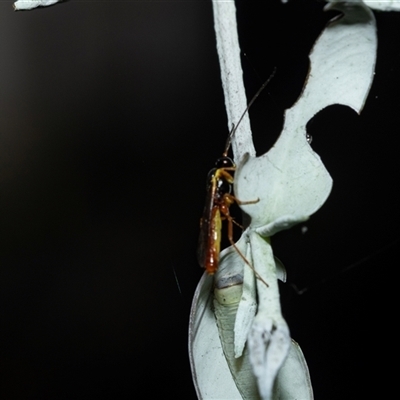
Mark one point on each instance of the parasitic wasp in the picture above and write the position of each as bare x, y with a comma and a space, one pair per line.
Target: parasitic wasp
218, 201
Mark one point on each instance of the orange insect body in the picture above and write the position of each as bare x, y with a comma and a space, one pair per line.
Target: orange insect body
218, 201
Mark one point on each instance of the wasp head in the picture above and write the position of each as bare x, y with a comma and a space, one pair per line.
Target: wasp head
224, 162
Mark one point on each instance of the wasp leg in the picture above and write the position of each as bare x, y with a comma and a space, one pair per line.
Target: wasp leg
223, 173
234, 221
233, 199
237, 224
240, 202
224, 209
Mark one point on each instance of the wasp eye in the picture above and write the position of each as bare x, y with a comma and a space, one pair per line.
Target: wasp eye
224, 162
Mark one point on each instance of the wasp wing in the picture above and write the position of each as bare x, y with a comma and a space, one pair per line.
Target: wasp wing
210, 226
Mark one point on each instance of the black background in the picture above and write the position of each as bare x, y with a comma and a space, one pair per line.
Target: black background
111, 115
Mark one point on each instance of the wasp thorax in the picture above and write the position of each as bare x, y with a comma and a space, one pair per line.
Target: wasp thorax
223, 186
224, 162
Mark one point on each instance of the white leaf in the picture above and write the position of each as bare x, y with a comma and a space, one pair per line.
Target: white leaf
210, 357
29, 4
384, 5
233, 335
211, 375
232, 265
293, 380
218, 371
269, 337
290, 179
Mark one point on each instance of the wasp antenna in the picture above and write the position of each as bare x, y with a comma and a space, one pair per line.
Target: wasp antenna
234, 127
228, 140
